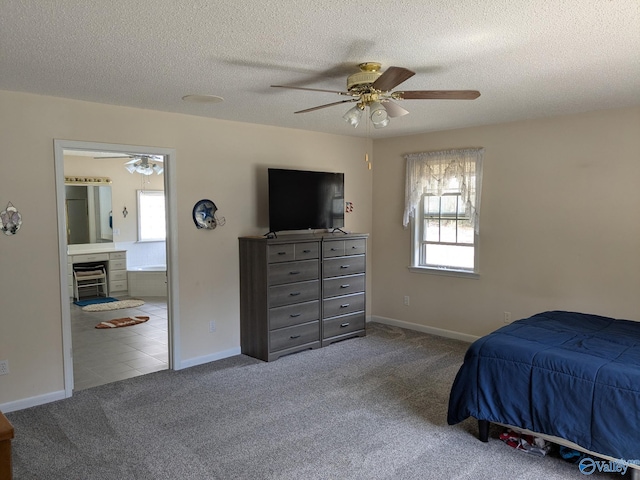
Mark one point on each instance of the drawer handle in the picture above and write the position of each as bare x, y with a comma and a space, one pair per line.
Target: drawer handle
345, 324
334, 249
292, 337
345, 266
295, 272
294, 294
282, 253
294, 315
346, 285
354, 247
306, 251
344, 305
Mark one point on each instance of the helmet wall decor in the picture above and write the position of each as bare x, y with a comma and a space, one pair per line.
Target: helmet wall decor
204, 215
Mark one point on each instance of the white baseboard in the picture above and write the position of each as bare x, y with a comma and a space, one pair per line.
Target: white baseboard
425, 329
59, 395
32, 401
192, 362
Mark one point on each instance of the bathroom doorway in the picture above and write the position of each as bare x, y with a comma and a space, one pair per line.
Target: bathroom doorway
95, 356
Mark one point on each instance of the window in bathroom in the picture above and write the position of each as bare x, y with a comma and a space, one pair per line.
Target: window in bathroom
151, 216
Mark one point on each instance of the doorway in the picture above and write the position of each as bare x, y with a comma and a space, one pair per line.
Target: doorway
75, 320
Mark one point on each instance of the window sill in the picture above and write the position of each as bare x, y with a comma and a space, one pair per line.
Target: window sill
445, 272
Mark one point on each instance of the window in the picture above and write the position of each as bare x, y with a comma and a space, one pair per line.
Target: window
442, 203
151, 216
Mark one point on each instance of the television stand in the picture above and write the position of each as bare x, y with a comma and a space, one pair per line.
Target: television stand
338, 230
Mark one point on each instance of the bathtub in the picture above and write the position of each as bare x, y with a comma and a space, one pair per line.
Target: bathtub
147, 281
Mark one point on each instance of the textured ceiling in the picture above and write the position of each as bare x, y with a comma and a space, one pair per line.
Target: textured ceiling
528, 58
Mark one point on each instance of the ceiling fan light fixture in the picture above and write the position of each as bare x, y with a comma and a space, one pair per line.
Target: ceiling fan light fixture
353, 116
378, 114
381, 124
143, 166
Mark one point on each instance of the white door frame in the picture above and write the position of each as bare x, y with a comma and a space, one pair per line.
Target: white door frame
172, 246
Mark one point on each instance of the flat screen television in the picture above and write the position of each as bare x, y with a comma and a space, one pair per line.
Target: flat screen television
303, 199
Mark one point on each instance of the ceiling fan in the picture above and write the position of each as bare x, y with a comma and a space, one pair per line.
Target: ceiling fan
371, 88
141, 163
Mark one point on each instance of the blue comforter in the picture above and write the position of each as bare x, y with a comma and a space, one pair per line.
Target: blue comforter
572, 375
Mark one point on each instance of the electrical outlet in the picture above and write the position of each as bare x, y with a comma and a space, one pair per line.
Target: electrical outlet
406, 300
507, 317
212, 326
4, 367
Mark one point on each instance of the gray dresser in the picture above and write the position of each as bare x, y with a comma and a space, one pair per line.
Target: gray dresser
300, 291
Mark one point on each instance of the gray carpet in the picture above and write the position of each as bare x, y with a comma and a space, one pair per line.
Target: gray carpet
366, 408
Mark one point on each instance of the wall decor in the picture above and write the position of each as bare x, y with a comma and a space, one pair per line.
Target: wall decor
125, 212
11, 220
204, 215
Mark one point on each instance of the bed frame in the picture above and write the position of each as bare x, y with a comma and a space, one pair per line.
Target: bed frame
483, 436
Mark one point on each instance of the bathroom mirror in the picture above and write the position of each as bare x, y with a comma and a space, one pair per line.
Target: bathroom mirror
89, 214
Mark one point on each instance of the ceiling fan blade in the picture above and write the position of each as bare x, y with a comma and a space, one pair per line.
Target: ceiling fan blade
311, 89
135, 158
327, 105
439, 95
393, 109
391, 78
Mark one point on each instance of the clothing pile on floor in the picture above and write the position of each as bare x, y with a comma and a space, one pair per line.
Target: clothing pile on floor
526, 443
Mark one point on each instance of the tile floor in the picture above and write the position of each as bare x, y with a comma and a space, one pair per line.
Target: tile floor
107, 355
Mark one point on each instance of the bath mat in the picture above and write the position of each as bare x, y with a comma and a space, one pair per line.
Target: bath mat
103, 307
122, 322
94, 301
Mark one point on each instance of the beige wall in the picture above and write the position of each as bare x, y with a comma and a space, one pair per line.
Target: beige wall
559, 228
223, 161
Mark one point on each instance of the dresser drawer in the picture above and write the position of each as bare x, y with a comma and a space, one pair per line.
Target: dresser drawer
335, 286
294, 314
334, 267
290, 272
284, 252
294, 293
117, 275
355, 247
120, 264
294, 336
90, 257
341, 325
333, 249
335, 306
118, 285
305, 251
118, 256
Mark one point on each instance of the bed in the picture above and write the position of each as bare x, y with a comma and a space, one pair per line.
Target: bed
570, 377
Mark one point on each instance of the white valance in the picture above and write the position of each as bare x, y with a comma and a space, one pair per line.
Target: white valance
443, 172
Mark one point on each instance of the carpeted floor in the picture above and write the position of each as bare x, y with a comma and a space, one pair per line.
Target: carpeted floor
366, 408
